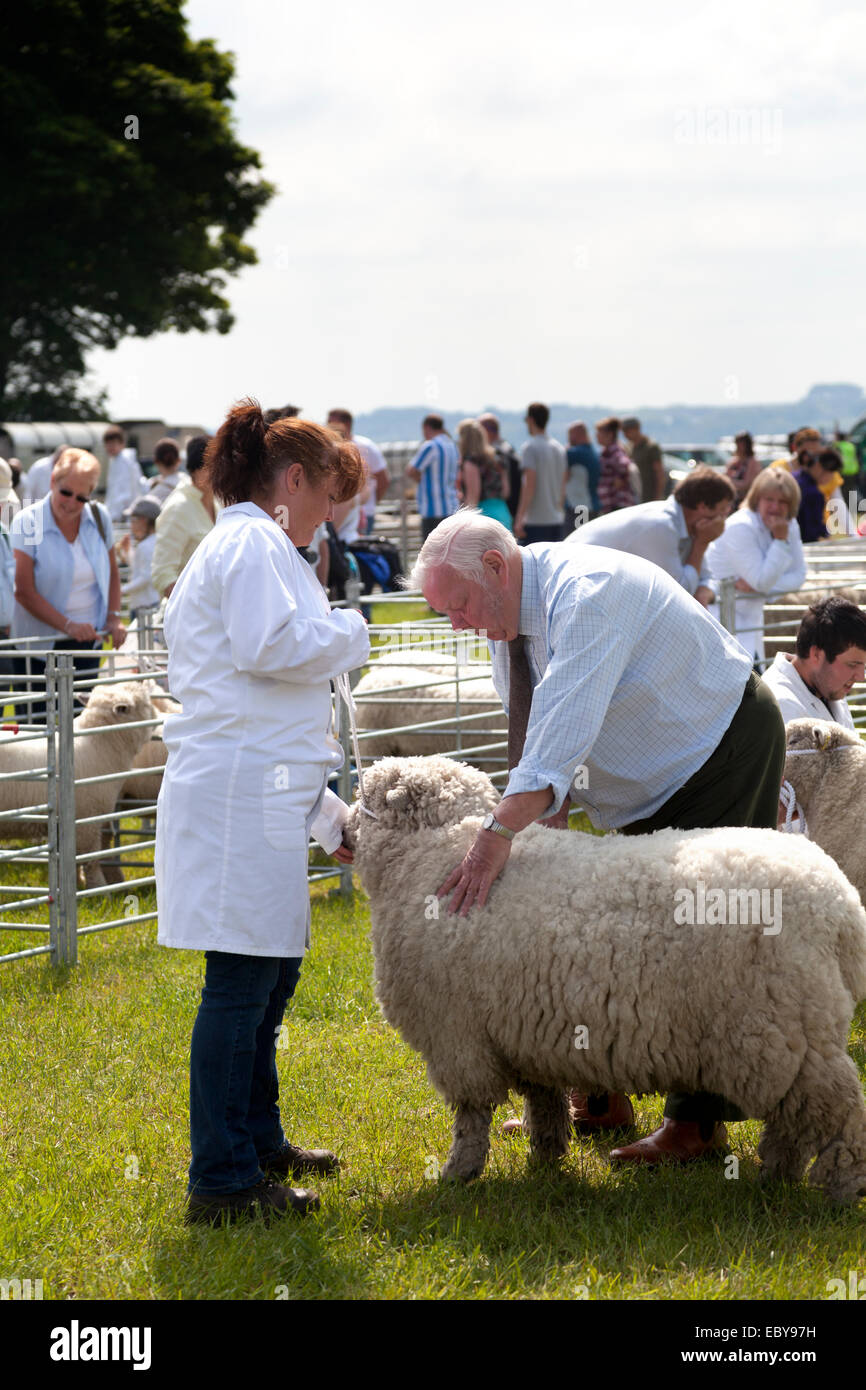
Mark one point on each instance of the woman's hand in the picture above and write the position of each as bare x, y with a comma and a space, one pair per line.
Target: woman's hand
780, 530
344, 855
81, 632
743, 587
117, 632
474, 877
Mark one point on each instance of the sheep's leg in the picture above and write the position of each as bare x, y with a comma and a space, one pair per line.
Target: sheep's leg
545, 1119
840, 1168
93, 875
110, 867
470, 1144
822, 1113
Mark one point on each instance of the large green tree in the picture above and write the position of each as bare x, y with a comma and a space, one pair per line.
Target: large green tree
126, 194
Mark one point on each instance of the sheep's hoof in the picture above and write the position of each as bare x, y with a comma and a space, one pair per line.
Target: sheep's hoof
451, 1175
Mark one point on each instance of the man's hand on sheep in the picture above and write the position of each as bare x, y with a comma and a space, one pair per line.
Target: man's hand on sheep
475, 875
485, 861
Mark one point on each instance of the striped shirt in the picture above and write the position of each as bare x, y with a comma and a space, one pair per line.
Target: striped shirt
437, 461
632, 681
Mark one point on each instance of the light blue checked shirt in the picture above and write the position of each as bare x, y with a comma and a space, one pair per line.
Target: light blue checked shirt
631, 680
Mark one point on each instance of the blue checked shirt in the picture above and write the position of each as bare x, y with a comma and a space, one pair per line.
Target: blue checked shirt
632, 680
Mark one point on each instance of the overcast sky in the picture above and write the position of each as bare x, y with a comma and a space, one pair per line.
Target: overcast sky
491, 202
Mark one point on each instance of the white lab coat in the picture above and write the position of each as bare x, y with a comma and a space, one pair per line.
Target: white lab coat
796, 700
746, 549
252, 644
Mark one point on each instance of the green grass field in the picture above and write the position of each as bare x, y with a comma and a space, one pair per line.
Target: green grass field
94, 1145
93, 1129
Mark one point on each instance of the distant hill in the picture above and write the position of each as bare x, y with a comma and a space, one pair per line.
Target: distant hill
824, 407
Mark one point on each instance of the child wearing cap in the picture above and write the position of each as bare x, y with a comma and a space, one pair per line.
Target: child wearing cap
138, 589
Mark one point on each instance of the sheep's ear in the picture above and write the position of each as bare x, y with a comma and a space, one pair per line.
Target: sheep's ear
83, 696
397, 799
822, 735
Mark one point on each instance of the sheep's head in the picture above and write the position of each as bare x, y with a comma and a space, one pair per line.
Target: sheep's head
124, 703
809, 744
420, 793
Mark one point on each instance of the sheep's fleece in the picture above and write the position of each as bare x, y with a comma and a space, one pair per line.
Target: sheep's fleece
579, 933
826, 766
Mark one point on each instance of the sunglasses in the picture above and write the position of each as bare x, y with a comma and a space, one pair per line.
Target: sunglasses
67, 492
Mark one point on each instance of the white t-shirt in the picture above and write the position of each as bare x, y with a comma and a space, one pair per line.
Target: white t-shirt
82, 605
374, 462
349, 532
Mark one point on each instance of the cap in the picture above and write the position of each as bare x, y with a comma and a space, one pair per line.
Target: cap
148, 507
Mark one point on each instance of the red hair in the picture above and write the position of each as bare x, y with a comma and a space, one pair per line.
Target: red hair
246, 455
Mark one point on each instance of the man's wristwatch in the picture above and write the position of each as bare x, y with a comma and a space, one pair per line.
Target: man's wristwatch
491, 823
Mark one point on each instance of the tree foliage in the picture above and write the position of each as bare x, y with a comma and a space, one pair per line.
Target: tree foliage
131, 194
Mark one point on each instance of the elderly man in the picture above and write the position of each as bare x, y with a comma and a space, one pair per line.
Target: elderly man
607, 668
674, 534
830, 657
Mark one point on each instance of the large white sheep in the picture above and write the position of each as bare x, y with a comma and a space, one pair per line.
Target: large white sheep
95, 755
826, 766
438, 701
584, 971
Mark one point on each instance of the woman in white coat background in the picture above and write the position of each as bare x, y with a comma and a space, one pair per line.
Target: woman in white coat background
762, 550
252, 647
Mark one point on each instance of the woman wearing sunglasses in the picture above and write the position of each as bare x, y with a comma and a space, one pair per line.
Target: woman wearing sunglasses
67, 585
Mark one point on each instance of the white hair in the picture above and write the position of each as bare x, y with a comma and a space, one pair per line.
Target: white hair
458, 543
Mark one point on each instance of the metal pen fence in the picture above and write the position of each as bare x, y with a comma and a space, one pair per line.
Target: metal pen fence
466, 728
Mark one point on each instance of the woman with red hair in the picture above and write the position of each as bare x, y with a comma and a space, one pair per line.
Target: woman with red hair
252, 646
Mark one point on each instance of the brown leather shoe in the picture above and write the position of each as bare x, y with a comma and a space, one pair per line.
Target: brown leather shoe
592, 1114
294, 1162
678, 1141
268, 1199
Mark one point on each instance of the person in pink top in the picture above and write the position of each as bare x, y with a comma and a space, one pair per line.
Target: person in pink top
614, 484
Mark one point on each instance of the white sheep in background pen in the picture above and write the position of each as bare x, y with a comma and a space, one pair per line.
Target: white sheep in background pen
418, 706
95, 755
585, 970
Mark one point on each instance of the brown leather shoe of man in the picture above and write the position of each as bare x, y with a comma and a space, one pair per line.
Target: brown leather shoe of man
268, 1198
594, 1114
678, 1141
294, 1162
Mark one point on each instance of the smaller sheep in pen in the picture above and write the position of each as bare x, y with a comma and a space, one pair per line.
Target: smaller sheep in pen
586, 940
436, 701
111, 751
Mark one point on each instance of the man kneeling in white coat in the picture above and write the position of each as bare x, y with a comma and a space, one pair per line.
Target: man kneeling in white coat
830, 657
252, 647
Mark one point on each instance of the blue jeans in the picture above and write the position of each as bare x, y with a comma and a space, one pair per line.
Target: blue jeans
233, 1086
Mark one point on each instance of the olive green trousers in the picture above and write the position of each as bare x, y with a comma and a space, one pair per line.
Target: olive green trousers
737, 785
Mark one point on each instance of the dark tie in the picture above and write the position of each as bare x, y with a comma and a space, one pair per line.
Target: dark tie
519, 698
